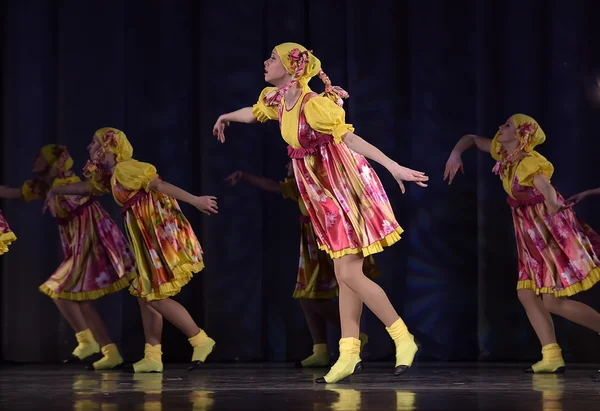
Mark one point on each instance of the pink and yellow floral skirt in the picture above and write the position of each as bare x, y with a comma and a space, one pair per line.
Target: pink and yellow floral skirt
347, 204
557, 255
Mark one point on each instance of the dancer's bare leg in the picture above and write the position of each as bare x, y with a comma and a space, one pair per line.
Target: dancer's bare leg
71, 310
152, 321
542, 323
348, 271
355, 289
538, 315
86, 344
95, 323
177, 315
574, 311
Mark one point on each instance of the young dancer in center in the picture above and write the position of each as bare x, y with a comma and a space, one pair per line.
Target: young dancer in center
348, 207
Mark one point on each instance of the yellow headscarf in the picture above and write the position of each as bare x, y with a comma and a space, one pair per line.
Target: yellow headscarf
302, 65
530, 135
115, 141
312, 68
130, 173
57, 158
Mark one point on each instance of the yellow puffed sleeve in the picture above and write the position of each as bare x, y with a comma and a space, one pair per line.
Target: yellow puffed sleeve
135, 175
289, 189
531, 166
58, 182
32, 190
326, 117
263, 112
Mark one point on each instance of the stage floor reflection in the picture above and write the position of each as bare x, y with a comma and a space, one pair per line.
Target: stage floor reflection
281, 387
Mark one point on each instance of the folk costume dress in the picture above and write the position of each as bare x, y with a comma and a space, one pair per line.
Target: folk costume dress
557, 255
167, 252
97, 259
346, 202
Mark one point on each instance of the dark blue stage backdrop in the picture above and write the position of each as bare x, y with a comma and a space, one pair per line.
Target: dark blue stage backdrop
421, 73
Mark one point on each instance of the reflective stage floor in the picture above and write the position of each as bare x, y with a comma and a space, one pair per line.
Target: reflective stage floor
281, 387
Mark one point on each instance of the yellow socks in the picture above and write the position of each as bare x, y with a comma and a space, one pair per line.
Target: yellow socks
552, 361
111, 358
319, 358
406, 348
348, 363
203, 346
87, 345
152, 361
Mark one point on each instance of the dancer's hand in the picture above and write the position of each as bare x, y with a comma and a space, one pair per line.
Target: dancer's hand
402, 174
577, 198
453, 164
234, 178
207, 204
219, 128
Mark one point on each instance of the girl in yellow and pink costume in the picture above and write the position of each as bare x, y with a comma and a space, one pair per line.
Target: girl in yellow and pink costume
348, 207
559, 256
167, 252
97, 259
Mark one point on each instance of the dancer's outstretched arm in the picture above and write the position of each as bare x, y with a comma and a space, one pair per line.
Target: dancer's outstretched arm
579, 197
80, 188
455, 163
400, 173
243, 115
206, 204
10, 193
263, 183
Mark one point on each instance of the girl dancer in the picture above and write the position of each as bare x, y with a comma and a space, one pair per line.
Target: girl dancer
167, 252
345, 200
97, 259
6, 234
558, 256
315, 283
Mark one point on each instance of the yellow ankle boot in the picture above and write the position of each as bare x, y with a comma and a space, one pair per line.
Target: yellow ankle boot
86, 347
203, 346
347, 364
111, 358
552, 361
318, 359
406, 348
152, 361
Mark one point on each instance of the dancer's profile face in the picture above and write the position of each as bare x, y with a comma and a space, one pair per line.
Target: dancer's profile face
40, 165
275, 72
93, 146
508, 132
